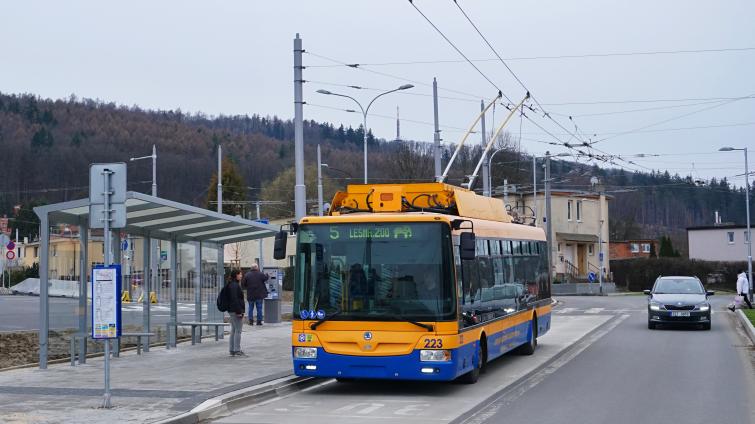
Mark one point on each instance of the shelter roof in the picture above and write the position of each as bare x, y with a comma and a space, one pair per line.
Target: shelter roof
165, 219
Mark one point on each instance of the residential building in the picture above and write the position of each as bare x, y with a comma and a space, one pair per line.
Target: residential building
579, 226
635, 248
723, 242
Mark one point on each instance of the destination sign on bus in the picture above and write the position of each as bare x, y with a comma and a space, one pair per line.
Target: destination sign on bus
365, 232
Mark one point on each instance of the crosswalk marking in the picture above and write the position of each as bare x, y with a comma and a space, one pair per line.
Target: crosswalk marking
594, 310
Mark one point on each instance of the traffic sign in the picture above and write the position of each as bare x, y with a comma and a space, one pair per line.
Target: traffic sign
600, 256
10, 255
124, 244
10, 245
591, 277
163, 255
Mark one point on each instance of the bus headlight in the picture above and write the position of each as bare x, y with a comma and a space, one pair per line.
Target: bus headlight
434, 355
305, 353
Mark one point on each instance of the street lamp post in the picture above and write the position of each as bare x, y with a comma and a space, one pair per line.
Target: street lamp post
747, 211
364, 114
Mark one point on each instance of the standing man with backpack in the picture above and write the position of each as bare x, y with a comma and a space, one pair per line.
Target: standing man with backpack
256, 291
231, 300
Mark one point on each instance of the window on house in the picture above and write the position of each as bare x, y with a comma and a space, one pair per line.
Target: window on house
730, 237
36, 252
634, 247
645, 247
568, 210
579, 210
559, 247
591, 249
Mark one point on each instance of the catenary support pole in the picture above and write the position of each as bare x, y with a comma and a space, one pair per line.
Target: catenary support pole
44, 281
749, 234
220, 179
260, 244
534, 189
319, 183
83, 287
300, 193
548, 226
436, 133
146, 288
485, 164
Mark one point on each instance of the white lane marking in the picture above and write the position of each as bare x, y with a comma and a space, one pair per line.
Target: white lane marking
565, 310
594, 310
509, 396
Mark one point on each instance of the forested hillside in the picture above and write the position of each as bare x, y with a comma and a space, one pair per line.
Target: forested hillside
48, 145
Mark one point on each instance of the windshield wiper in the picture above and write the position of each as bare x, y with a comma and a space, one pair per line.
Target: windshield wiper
314, 325
427, 327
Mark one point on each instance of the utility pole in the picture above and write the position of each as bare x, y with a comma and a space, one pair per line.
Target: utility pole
300, 193
534, 188
319, 182
485, 164
220, 179
398, 125
749, 235
548, 226
436, 134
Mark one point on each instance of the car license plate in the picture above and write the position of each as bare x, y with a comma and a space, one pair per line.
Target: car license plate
680, 313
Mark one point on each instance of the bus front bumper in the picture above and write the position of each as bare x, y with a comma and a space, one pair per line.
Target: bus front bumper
400, 367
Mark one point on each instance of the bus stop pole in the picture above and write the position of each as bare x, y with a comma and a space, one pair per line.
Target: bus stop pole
220, 271
44, 301
146, 287
198, 288
173, 336
83, 289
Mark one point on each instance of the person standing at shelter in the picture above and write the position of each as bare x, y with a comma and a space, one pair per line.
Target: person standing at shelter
236, 312
256, 291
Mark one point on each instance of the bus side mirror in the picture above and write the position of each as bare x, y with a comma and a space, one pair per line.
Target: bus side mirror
279, 251
467, 246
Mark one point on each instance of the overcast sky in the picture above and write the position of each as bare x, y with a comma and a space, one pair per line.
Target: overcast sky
235, 57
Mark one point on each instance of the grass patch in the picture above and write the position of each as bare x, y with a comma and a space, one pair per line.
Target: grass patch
750, 314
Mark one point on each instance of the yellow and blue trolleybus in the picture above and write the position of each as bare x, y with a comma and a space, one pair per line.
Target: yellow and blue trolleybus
415, 282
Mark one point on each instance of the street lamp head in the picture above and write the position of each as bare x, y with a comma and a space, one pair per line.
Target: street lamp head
562, 155
324, 165
726, 149
350, 110
406, 87
321, 91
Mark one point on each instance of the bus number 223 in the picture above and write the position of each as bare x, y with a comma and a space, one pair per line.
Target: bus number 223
433, 343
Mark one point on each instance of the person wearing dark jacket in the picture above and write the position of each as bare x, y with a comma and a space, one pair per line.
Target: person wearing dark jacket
256, 291
236, 312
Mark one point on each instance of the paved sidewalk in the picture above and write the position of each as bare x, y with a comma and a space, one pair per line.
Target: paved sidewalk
157, 385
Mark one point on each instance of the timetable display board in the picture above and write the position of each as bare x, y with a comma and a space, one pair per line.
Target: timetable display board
106, 302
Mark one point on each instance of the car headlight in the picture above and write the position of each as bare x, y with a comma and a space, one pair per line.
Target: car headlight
305, 353
655, 306
703, 307
434, 355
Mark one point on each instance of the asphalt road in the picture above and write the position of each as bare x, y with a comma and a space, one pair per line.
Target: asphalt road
599, 364
636, 375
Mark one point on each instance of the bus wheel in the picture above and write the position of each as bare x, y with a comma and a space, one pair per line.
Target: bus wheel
344, 380
472, 376
529, 347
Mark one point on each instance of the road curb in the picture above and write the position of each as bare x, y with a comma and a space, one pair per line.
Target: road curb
230, 402
749, 329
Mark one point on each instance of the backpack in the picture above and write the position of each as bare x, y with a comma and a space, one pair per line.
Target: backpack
222, 302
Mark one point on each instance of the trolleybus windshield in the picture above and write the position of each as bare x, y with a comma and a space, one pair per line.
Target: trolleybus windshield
375, 271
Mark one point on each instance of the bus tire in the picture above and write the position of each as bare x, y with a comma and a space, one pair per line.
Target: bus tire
529, 347
344, 380
484, 354
472, 376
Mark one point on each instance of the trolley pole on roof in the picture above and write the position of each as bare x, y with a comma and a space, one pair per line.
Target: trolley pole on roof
486, 183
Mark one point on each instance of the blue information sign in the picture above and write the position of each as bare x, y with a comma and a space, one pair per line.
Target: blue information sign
124, 244
106, 302
591, 277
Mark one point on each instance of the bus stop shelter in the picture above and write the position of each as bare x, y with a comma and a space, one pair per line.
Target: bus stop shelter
152, 218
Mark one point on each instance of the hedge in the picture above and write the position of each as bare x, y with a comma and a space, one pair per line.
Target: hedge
640, 273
